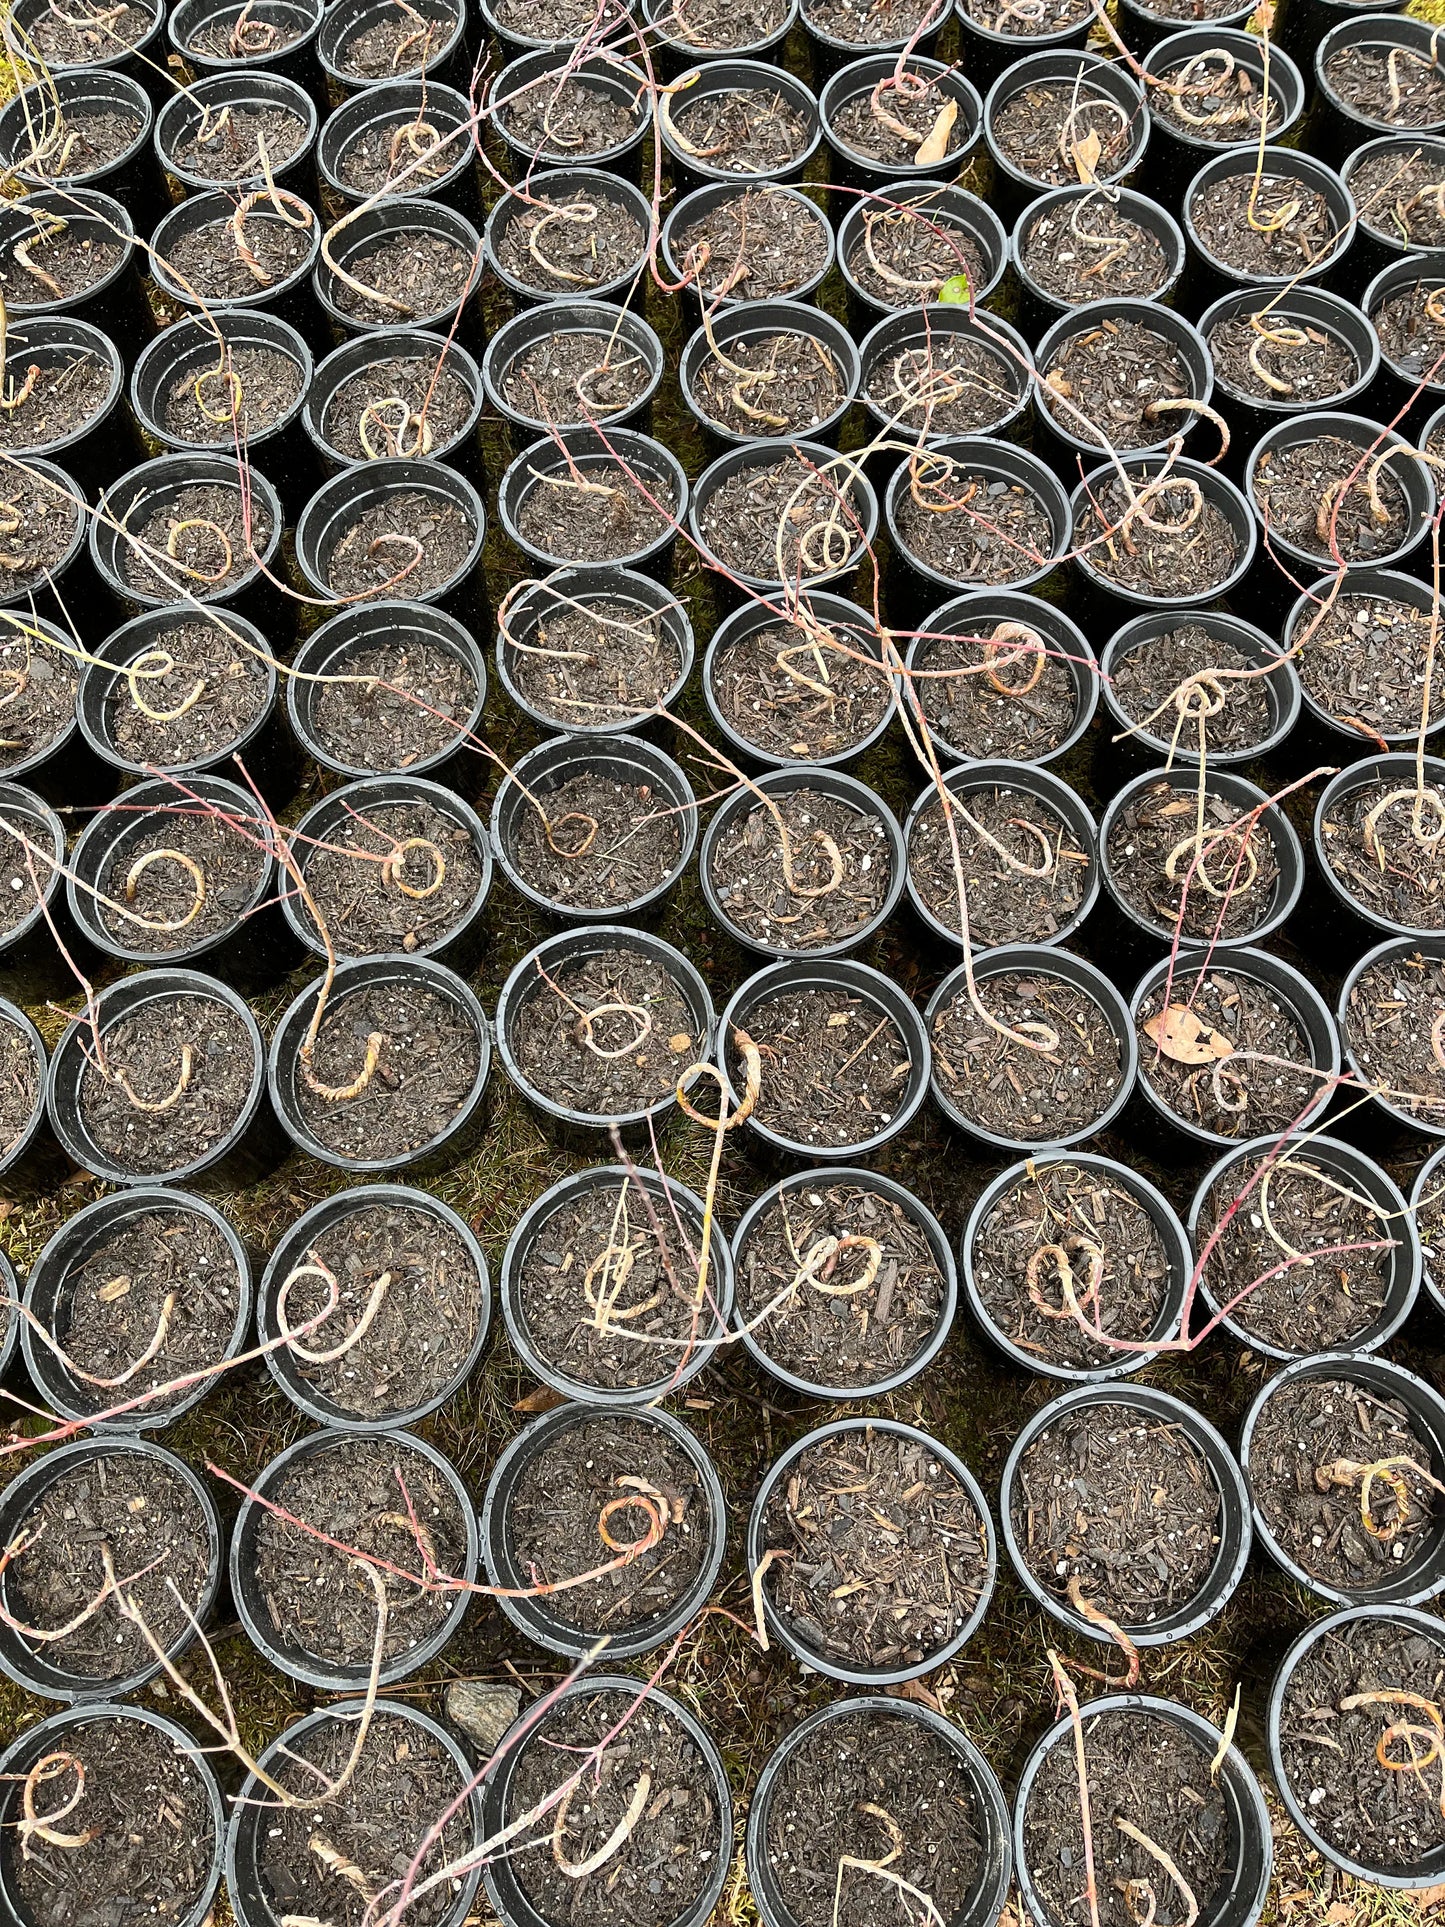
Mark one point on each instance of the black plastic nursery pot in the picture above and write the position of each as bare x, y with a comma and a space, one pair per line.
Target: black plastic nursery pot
972, 242
328, 524
988, 52
103, 281
625, 347
274, 36
236, 1153
1233, 1533
1419, 1573
88, 450
35, 124
1068, 434
361, 45
1373, 442
1061, 209
506, 1892
810, 1654
397, 974
706, 281
594, 188
63, 1735
1338, 124
674, 1216
750, 328
988, 1810
853, 166
804, 1188
288, 294
719, 78
918, 32
1239, 1898
1396, 771
552, 957
58, 764
407, 138
1144, 26
53, 1287
1335, 734
423, 226
844, 978
848, 531
657, 785
57, 517
32, 841
677, 43
1279, 684
1401, 957
379, 638
1210, 276
506, 1567
34, 1670
1425, 1195
507, 20
1344, 1164
624, 597
252, 1815
1180, 151
29, 1157
200, 150
94, 43
1386, 231
1174, 503
1250, 412
459, 922
659, 486
530, 87
332, 409
917, 346
1411, 386
1113, 104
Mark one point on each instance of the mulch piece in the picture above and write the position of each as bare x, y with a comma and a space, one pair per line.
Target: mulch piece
1392, 192
1388, 865
411, 905
665, 1862
835, 1067
1212, 97
1331, 1749
719, 26
423, 1333
1017, 23
1220, 883
1394, 85
1306, 1306
37, 526
235, 142
1412, 332
602, 843
969, 528
843, 1284
947, 385
566, 120
595, 660
1006, 903
356, 1489
575, 376
61, 260
89, 35
436, 399
653, 1037
1105, 386
1216, 1072
787, 520
1040, 128
1089, 1219
205, 542
916, 102
270, 382
745, 130
140, 1512
21, 1085
857, 1591
1019, 1091
394, 48
793, 383
39, 683
408, 544
1316, 495
990, 707
618, 514
411, 153
233, 693
417, 705
425, 1071
231, 861
1088, 248
760, 245
1147, 680
827, 901
415, 276
147, 1047
1310, 364
1148, 1771
567, 243
1249, 227
903, 255
757, 684
206, 263
1392, 1024
1194, 550
80, 144
144, 1821
555, 1514
59, 401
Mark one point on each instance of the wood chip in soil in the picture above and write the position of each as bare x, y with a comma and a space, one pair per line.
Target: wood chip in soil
911, 99
745, 130
427, 1065
835, 1066
1020, 1091
1394, 194
426, 389
249, 391
982, 698
362, 1491
1391, 1024
791, 384
395, 47
1008, 900
839, 1284
142, 1514
373, 901
871, 23
1041, 127
37, 527
21, 1086
88, 35
575, 375
399, 702
601, 843
408, 152
1316, 495
408, 544
640, 1043
1213, 98
1228, 1054
1108, 385
1393, 864
206, 264
619, 514
79, 144
760, 245
227, 850
232, 147
1187, 549
720, 26
58, 400
1184, 867
202, 544
1062, 1215
414, 276
564, 121
1304, 362
833, 885
859, 1591
594, 660
903, 255
557, 1507
947, 385
757, 682
233, 693
1153, 684
970, 528
60, 259
1087, 248
1393, 85
151, 1048
568, 243
423, 1332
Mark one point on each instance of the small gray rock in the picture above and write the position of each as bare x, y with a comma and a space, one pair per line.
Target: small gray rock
483, 1711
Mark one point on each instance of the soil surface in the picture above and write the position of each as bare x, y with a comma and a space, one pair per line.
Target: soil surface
409, 152
1043, 127
1391, 1024
873, 23
835, 1067
1107, 386
1015, 23
641, 1042
232, 146
568, 243
419, 702
394, 876
426, 1067
1249, 225
208, 410
1411, 327
71, 261
233, 693
793, 382
410, 276
1154, 688
427, 390
916, 102
575, 376
1008, 900
1021, 1091
969, 528
1237, 1058
1386, 857
1182, 866
18, 870
1393, 194
1304, 363
620, 514
396, 48
981, 695
592, 659
758, 683
857, 1595
760, 245
720, 26
37, 528
562, 120
407, 544
746, 130
783, 521
206, 264
1316, 495
1188, 547
21, 1084
904, 254
1213, 98
225, 38
164, 892
86, 35
203, 544
1394, 86
179, 1075
58, 401
602, 844
947, 385
37, 694
824, 887
77, 145
1087, 248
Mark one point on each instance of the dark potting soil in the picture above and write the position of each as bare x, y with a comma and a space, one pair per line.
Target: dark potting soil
1227, 1053
1061, 1215
745, 130
594, 660
38, 522
58, 400
665, 1861
566, 244
378, 1825
362, 1491
640, 1043
793, 382
177, 1077
1021, 1091
409, 153
1391, 1025
232, 147
913, 102
760, 245
61, 263
1246, 223
835, 1067
867, 23
1389, 859
241, 40
1024, 893
574, 376
1178, 861
839, 1284
607, 1287
885, 1554
1298, 1207
1212, 97
1116, 384
617, 514
1119, 1507
1045, 125
824, 887
1018, 23
1396, 196
1154, 686
758, 684
392, 876
719, 26
1088, 248
1316, 495
163, 1272
1147, 1771
992, 694
149, 1523
207, 265
1364, 662
825, 1814
208, 539
86, 35
21, 1081
1313, 1445
948, 385
1187, 547
554, 19
1187, 11
395, 47
1393, 85
428, 1055
788, 520
19, 870
1354, 1689
409, 277
65, 148
418, 702
1411, 327
1304, 363
232, 693
407, 544
598, 1473
559, 118
601, 843
969, 529
142, 1824
211, 408
37, 694
423, 1331
178, 911
904, 255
